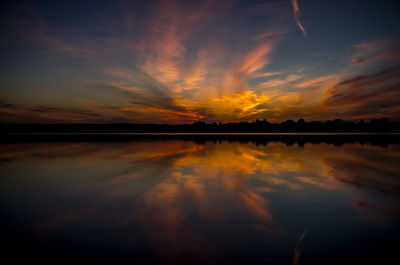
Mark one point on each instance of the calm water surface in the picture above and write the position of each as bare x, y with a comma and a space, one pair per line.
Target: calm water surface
188, 202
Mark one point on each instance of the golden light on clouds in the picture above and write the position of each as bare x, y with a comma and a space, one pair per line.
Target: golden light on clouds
217, 61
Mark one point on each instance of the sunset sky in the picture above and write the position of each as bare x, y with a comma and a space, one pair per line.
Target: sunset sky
181, 61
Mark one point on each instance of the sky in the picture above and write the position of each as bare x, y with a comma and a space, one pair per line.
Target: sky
182, 61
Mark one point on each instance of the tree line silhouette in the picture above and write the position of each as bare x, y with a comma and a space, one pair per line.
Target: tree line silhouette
382, 125
383, 140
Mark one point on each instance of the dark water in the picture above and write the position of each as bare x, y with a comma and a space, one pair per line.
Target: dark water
187, 202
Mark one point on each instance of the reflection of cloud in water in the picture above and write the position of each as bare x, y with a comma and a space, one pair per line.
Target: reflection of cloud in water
163, 185
297, 251
375, 212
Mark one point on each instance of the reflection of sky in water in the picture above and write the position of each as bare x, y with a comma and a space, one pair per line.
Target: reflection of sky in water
213, 203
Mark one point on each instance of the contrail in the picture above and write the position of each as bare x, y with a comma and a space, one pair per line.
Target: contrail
296, 13
296, 256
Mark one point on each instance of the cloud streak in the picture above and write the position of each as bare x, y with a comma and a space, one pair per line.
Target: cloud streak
364, 89
296, 14
377, 49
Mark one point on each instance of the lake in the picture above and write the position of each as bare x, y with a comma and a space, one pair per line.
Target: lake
200, 201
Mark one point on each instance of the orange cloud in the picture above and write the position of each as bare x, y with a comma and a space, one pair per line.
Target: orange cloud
315, 81
163, 46
255, 59
247, 66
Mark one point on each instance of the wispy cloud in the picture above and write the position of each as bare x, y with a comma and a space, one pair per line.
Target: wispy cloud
26, 25
296, 14
315, 81
378, 49
47, 113
363, 88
